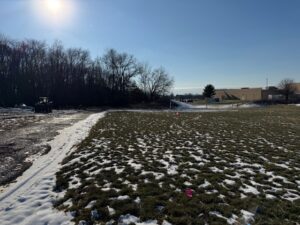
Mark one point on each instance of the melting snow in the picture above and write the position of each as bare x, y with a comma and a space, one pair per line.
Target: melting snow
29, 200
205, 184
247, 216
249, 189
229, 182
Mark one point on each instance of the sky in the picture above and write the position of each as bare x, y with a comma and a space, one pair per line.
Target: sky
228, 43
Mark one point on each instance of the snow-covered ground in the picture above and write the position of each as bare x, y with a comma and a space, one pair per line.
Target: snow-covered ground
138, 166
30, 199
213, 107
23, 137
229, 160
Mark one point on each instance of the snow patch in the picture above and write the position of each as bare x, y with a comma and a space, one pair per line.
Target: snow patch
30, 199
249, 189
247, 216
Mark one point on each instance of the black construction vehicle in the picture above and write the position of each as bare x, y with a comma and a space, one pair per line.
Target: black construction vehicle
43, 105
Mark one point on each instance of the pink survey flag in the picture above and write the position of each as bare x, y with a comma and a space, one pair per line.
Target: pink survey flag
189, 192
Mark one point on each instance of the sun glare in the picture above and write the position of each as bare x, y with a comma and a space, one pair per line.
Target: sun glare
56, 13
54, 6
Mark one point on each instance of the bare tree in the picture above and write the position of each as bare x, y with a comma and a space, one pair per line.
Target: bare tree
70, 77
155, 83
287, 87
144, 77
121, 68
6, 86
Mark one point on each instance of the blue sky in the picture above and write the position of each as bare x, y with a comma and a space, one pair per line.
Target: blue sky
229, 43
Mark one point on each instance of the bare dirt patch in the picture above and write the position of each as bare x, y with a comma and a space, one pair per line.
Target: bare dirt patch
22, 137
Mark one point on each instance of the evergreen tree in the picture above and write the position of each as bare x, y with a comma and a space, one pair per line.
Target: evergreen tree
209, 91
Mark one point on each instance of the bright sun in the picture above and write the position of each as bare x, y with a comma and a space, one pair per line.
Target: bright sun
56, 13
54, 6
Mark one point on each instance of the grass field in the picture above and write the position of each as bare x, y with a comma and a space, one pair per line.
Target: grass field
242, 167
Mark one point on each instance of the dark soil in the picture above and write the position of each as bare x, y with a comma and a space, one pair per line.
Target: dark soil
23, 137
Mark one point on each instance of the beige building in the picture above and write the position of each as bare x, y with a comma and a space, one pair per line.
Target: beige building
244, 94
297, 87
255, 94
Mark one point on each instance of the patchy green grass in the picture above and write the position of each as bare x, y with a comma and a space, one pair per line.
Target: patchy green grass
243, 167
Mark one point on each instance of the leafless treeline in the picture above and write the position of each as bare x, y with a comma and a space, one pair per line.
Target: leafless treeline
30, 69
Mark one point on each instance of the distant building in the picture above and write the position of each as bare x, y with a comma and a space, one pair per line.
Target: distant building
272, 94
297, 91
297, 87
244, 94
256, 94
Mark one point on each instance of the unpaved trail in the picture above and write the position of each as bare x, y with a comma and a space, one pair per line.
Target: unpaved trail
23, 135
30, 200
